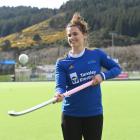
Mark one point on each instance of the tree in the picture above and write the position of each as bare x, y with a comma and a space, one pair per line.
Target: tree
6, 45
37, 37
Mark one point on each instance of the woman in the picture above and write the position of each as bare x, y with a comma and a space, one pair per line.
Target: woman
82, 112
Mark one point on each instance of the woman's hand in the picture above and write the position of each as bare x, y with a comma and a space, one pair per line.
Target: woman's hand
97, 80
59, 97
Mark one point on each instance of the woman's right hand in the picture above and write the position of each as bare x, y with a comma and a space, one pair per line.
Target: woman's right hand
59, 97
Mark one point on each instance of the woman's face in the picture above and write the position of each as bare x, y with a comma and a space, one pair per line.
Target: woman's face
75, 37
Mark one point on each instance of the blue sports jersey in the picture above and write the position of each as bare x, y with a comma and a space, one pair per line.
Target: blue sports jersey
72, 72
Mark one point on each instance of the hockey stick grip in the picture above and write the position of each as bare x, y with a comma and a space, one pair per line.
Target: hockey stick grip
79, 88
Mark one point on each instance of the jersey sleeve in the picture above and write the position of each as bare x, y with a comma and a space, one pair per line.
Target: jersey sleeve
112, 68
60, 78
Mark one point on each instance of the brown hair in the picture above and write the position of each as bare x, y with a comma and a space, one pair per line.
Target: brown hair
79, 22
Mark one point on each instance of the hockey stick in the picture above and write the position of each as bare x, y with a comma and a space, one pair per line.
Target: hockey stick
53, 100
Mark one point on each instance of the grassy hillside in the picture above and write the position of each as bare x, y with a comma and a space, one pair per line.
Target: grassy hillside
25, 39
104, 18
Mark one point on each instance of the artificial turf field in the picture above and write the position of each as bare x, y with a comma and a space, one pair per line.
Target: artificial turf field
121, 102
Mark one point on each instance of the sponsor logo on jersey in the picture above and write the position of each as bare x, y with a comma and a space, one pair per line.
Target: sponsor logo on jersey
82, 77
74, 78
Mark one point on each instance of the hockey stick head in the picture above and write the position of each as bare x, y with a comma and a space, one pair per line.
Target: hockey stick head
12, 113
15, 114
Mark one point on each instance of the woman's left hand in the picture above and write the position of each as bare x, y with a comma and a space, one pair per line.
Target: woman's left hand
97, 80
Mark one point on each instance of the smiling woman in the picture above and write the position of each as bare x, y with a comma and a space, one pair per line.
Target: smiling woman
33, 3
78, 67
